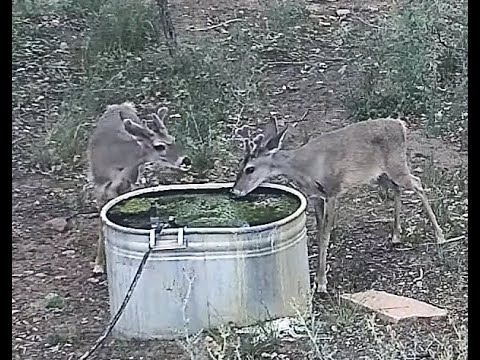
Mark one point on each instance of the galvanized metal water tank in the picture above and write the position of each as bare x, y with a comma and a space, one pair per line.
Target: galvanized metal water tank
200, 278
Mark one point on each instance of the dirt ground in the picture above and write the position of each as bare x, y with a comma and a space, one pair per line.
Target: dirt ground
46, 261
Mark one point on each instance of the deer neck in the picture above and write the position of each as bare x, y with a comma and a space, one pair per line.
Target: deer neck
291, 163
295, 165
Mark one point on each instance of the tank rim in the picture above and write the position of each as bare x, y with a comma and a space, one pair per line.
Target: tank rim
199, 230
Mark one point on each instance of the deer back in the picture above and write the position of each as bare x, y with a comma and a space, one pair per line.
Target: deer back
355, 154
121, 142
333, 161
111, 147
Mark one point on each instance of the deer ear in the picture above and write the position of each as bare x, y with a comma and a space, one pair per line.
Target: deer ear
135, 129
276, 143
158, 124
271, 129
162, 113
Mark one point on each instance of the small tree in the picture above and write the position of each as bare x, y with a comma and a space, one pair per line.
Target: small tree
167, 26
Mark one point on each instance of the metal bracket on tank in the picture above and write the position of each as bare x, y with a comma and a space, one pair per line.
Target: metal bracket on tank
167, 245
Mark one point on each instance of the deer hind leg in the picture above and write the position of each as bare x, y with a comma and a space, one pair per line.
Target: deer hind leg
412, 182
333, 233
328, 215
104, 193
100, 258
387, 183
120, 186
417, 187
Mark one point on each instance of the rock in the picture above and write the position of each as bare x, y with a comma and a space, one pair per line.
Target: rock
54, 301
59, 224
394, 308
342, 12
313, 8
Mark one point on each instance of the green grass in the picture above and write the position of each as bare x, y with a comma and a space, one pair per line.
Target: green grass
209, 86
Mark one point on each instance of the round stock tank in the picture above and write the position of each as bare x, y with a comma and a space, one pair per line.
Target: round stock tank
200, 278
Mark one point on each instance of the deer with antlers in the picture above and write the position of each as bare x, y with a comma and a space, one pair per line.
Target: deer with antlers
330, 164
120, 144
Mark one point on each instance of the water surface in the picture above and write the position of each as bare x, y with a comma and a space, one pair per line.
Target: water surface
205, 208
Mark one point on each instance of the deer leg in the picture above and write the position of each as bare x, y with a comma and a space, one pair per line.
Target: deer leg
397, 208
410, 181
318, 204
386, 183
417, 187
120, 185
324, 239
100, 258
104, 194
333, 233
319, 208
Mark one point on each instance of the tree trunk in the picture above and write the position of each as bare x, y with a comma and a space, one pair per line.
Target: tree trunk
167, 26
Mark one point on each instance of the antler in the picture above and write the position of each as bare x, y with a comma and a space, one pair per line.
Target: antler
256, 143
243, 134
253, 147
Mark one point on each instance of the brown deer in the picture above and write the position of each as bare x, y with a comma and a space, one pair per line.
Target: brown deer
330, 164
120, 143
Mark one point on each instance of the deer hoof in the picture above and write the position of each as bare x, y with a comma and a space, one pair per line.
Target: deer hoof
98, 270
322, 288
396, 239
440, 238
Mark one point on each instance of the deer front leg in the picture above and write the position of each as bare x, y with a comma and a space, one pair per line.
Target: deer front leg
100, 258
385, 182
324, 239
397, 228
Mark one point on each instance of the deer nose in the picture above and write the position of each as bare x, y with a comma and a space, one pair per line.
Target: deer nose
235, 193
186, 161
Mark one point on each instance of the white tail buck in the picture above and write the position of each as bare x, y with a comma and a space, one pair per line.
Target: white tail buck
330, 164
121, 143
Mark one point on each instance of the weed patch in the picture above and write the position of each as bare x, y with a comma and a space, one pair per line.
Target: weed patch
414, 64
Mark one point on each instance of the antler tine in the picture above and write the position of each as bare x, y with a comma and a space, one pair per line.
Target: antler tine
247, 145
243, 132
252, 147
256, 143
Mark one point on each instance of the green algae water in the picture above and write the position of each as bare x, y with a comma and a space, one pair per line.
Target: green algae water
205, 208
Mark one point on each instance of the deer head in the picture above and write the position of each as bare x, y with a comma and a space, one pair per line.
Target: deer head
157, 144
259, 162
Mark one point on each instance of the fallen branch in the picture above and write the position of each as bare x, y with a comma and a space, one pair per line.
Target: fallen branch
420, 277
382, 220
273, 63
295, 122
217, 25
461, 237
366, 22
87, 215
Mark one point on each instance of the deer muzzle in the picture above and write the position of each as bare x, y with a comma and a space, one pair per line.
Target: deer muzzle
184, 163
237, 193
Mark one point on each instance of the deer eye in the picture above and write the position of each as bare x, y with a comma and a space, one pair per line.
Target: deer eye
159, 147
249, 170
